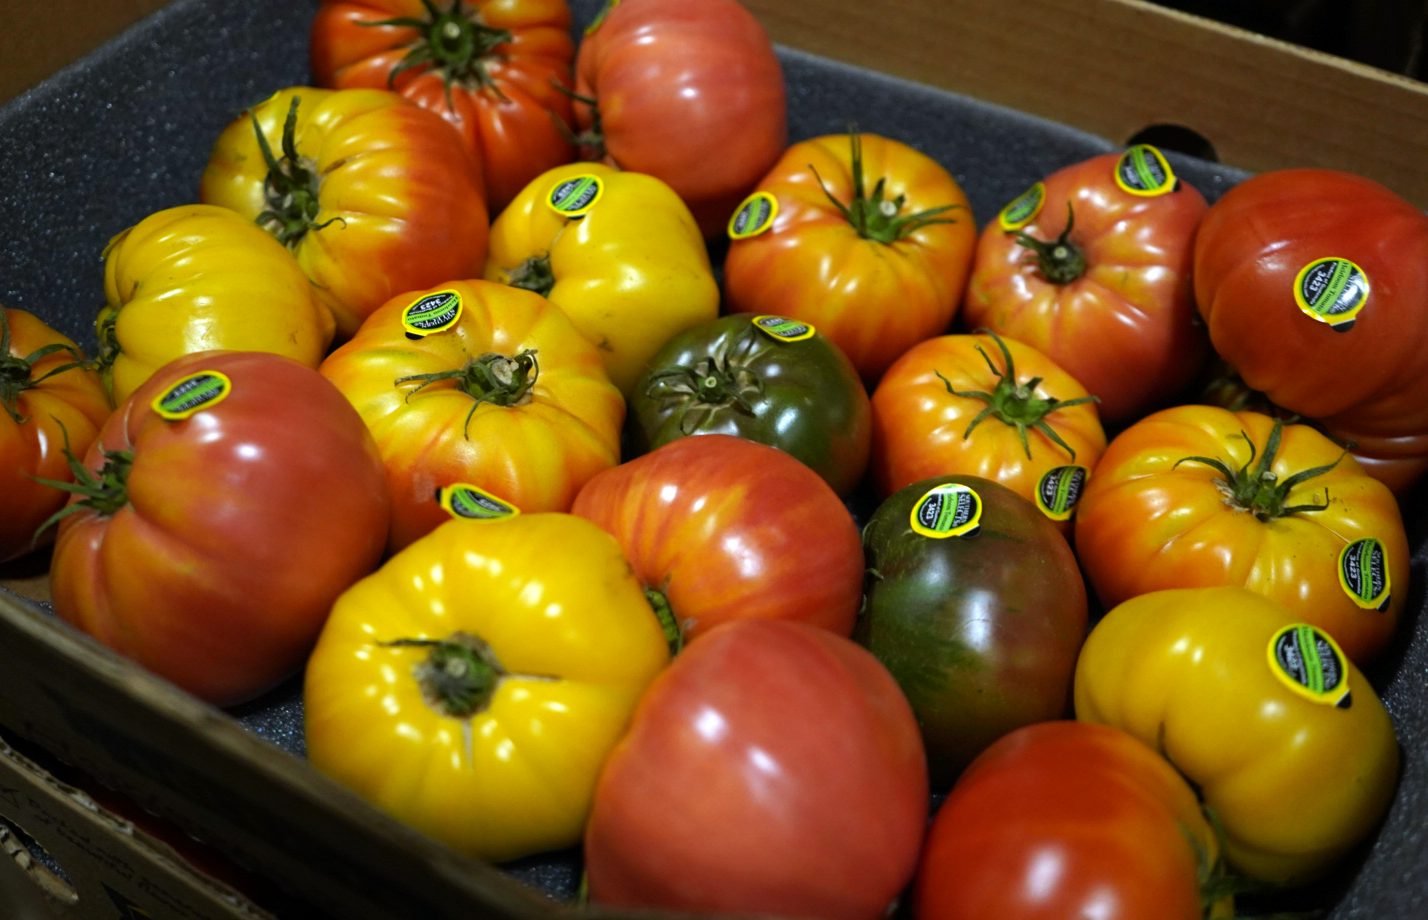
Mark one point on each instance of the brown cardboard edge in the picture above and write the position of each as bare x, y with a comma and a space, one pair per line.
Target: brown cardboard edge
1113, 67
194, 765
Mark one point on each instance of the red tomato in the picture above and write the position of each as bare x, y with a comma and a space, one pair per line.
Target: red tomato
871, 243
691, 93
47, 401
775, 769
1312, 284
1067, 819
721, 528
220, 539
498, 70
1093, 269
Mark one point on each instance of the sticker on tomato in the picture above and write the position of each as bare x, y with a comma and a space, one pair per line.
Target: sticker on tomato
574, 197
784, 329
948, 510
1059, 490
431, 313
756, 215
1363, 574
1143, 170
1309, 662
473, 503
194, 393
1332, 291
1023, 209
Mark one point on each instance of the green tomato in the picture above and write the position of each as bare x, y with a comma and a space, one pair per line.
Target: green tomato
765, 378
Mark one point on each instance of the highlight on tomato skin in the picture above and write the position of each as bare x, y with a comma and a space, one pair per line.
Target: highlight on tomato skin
774, 769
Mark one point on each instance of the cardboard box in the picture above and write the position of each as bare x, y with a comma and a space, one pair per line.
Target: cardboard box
1004, 92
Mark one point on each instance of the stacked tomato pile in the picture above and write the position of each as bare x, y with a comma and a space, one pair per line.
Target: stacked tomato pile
1081, 527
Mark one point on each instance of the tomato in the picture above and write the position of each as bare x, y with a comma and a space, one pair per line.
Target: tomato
1197, 496
948, 407
766, 378
1286, 741
773, 769
50, 400
975, 604
1069, 819
375, 195
201, 278
1092, 267
473, 686
617, 251
721, 528
498, 71
479, 384
869, 240
229, 501
1312, 283
690, 92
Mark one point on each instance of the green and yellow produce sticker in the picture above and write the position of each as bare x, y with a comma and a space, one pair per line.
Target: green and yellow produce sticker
193, 393
756, 215
468, 502
1023, 209
574, 197
1143, 170
783, 328
1363, 574
1332, 291
1309, 662
431, 313
1059, 490
948, 510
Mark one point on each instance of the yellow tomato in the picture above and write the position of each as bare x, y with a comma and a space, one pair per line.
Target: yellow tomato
200, 277
619, 252
1287, 742
474, 685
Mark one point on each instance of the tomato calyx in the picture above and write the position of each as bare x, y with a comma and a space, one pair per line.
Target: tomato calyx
1015, 402
454, 42
291, 188
16, 373
712, 382
672, 633
591, 141
459, 675
104, 493
874, 216
501, 380
534, 274
1255, 487
1060, 261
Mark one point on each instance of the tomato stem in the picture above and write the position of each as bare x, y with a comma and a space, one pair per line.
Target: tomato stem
1060, 261
534, 274
291, 187
1255, 487
672, 633
719, 379
459, 676
103, 493
874, 216
455, 43
1015, 402
493, 378
16, 373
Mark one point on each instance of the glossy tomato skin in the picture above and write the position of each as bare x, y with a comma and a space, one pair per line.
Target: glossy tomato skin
874, 298
727, 529
921, 429
508, 100
1298, 762
981, 631
199, 277
1367, 384
728, 376
574, 644
399, 201
691, 93
1067, 819
773, 769
48, 412
1126, 327
533, 444
1148, 521
243, 523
